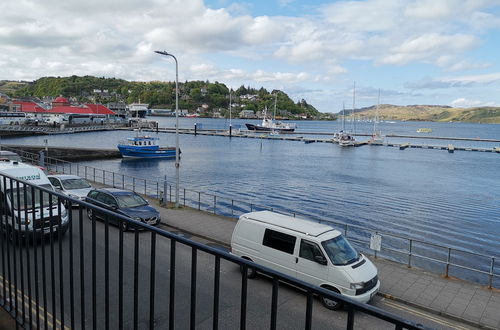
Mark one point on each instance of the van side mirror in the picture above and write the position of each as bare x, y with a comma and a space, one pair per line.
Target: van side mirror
320, 260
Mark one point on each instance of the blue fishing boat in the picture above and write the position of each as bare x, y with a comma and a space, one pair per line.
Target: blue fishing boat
144, 147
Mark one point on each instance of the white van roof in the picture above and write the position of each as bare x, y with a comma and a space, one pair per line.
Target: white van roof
303, 226
23, 171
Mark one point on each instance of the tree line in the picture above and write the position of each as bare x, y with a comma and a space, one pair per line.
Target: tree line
192, 94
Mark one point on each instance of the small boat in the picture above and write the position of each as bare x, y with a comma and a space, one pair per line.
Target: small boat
346, 140
424, 130
144, 147
269, 125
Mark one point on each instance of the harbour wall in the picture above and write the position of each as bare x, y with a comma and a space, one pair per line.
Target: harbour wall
64, 153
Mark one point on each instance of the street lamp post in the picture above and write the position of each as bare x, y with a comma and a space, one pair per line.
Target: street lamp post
177, 165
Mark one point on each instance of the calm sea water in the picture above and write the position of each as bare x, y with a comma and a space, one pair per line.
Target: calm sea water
450, 199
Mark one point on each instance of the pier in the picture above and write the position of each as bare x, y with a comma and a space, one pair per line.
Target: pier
299, 136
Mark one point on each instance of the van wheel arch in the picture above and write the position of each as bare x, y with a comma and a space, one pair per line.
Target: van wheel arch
329, 303
251, 272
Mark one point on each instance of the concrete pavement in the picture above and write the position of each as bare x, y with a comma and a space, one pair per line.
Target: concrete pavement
460, 300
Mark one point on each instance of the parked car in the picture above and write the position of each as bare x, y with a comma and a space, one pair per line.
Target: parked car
312, 252
19, 204
71, 185
5, 154
124, 202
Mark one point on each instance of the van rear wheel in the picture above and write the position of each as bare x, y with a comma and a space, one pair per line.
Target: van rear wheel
251, 272
331, 304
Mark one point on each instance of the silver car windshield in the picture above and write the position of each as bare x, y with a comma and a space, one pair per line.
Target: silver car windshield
130, 200
340, 251
70, 184
28, 200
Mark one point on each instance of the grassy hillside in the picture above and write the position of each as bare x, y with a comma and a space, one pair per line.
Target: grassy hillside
10, 87
432, 113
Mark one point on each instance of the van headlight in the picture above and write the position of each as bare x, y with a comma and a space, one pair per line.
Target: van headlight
356, 286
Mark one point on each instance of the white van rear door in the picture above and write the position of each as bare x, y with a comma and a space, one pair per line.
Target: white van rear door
309, 269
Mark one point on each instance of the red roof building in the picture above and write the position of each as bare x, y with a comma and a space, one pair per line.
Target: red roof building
27, 106
61, 105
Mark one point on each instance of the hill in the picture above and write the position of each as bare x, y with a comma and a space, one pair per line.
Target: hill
432, 113
202, 96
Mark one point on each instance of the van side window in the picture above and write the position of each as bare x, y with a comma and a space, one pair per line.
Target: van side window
309, 250
279, 241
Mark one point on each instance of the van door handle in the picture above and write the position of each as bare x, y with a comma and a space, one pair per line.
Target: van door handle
296, 260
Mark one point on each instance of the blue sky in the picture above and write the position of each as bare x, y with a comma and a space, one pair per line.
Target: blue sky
416, 52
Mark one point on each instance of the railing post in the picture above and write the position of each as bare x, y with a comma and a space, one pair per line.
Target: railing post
251, 207
94, 173
345, 230
215, 204
448, 263
376, 233
85, 172
232, 208
103, 176
199, 200
133, 183
492, 267
77, 169
113, 178
145, 187
409, 253
123, 181
184, 196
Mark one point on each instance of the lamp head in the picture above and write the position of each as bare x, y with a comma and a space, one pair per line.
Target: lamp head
162, 52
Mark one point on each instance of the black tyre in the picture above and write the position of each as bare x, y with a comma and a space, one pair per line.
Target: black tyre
123, 225
331, 304
91, 214
251, 272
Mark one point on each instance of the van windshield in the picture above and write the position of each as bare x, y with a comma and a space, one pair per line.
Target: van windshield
27, 198
340, 251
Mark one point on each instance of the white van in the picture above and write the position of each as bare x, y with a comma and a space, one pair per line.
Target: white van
13, 202
309, 251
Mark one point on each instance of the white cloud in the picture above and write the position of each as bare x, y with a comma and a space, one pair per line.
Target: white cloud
428, 47
466, 103
118, 37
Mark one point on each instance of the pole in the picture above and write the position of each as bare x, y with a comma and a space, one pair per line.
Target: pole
177, 164
230, 105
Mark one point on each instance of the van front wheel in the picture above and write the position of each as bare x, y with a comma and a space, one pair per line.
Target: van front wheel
331, 304
251, 272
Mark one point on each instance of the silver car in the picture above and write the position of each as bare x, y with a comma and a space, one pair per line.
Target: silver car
71, 185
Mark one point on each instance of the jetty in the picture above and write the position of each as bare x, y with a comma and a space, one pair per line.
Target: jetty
302, 137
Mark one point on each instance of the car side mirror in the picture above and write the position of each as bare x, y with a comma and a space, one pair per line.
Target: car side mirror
114, 207
320, 260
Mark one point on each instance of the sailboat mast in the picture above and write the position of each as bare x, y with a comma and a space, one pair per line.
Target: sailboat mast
353, 107
375, 121
230, 108
275, 100
343, 116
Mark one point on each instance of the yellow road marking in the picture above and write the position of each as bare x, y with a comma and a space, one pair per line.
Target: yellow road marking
33, 309
425, 315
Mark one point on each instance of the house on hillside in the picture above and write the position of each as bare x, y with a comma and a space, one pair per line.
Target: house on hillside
247, 114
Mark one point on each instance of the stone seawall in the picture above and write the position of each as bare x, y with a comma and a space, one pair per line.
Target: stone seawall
66, 153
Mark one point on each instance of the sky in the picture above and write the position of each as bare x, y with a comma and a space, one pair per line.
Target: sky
443, 52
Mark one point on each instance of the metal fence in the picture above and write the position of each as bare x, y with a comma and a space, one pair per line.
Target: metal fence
446, 260
60, 269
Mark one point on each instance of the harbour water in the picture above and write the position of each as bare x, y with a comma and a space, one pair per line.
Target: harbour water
431, 195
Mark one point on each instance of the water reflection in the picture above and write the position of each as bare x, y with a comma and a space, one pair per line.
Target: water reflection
145, 165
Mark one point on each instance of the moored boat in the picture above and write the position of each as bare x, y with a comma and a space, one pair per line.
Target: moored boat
144, 147
269, 125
